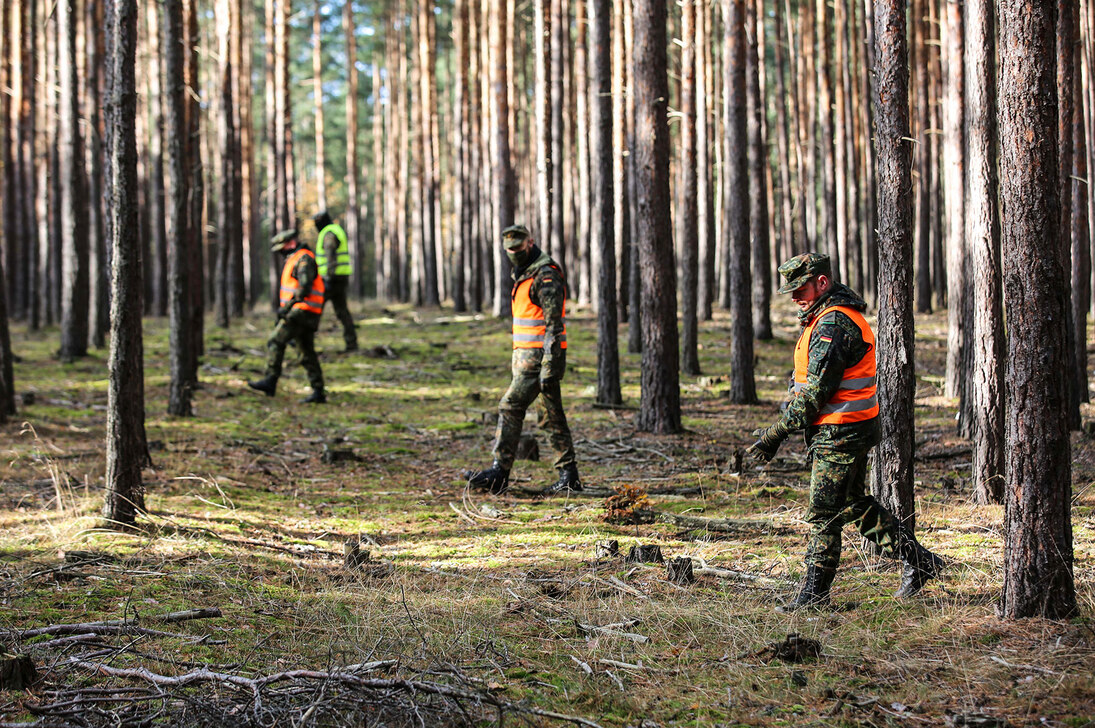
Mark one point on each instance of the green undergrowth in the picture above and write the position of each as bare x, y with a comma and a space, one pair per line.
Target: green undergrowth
252, 499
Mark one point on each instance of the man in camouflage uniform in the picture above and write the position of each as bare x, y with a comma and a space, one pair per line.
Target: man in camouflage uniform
538, 362
335, 267
833, 398
298, 318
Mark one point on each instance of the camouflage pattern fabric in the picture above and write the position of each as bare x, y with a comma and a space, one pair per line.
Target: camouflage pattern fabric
335, 291
837, 497
538, 372
299, 326
306, 273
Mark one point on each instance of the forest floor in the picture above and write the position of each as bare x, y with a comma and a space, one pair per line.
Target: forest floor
475, 606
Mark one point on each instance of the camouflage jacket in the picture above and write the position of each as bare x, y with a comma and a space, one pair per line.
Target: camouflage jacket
549, 290
836, 344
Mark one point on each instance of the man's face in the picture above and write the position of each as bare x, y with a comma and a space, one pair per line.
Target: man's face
807, 294
521, 247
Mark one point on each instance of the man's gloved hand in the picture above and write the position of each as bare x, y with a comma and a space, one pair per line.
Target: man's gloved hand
768, 441
284, 310
548, 378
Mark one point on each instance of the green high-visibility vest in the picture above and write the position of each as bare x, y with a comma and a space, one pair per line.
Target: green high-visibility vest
343, 264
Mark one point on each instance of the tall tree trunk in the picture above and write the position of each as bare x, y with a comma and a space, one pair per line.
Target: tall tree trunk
504, 191
687, 206
430, 197
177, 188
587, 276
74, 293
1081, 243
632, 270
1038, 578
317, 105
954, 144
157, 240
826, 143
896, 375
126, 447
275, 192
542, 95
559, 31
705, 189
249, 268
758, 169
743, 388
791, 237
1067, 37
660, 407
620, 187
986, 374
226, 202
603, 229
352, 218
924, 158
195, 192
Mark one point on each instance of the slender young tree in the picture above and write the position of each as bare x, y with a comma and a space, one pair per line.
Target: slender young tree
1081, 241
431, 198
317, 104
74, 293
601, 158
687, 205
761, 259
226, 132
1038, 579
1067, 36
743, 389
156, 260
896, 377
924, 157
351, 218
177, 189
954, 188
504, 184
660, 408
126, 446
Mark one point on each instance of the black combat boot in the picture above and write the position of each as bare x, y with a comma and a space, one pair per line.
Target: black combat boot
495, 479
266, 385
318, 396
568, 481
814, 592
921, 565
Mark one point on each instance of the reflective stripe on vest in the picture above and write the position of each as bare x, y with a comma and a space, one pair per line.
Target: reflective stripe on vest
856, 399
313, 302
343, 264
529, 327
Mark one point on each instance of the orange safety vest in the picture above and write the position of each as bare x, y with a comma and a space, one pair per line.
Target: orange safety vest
529, 327
856, 400
313, 302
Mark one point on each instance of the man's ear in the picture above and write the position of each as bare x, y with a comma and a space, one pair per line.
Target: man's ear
823, 282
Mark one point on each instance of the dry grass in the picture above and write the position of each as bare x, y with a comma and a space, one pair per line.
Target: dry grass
246, 515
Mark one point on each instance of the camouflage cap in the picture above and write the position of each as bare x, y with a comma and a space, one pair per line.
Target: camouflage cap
514, 235
282, 239
799, 270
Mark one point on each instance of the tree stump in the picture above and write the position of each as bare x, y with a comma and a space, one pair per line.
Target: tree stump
607, 549
645, 554
354, 555
528, 448
679, 571
16, 672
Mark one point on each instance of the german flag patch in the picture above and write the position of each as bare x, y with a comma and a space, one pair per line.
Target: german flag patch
825, 339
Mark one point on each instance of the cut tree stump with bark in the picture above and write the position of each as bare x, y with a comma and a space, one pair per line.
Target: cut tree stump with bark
645, 554
679, 571
16, 672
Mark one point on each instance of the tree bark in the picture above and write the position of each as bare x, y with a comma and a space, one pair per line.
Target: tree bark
687, 205
660, 408
743, 388
603, 228
226, 202
430, 197
620, 188
504, 185
896, 374
74, 293
1067, 37
924, 158
1081, 243
156, 268
986, 375
177, 189
195, 192
126, 447
317, 105
954, 144
705, 189
1038, 578
758, 175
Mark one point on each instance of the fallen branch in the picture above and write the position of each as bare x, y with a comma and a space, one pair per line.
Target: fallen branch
86, 627
700, 567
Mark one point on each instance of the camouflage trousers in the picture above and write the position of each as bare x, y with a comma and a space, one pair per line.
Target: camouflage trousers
335, 288
523, 389
838, 496
295, 328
